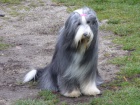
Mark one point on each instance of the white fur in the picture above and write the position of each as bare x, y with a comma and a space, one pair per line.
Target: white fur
30, 75
80, 11
74, 93
90, 88
83, 29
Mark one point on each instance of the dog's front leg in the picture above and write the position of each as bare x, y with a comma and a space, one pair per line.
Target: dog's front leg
68, 88
89, 88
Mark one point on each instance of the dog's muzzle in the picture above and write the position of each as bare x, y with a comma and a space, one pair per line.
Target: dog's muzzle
85, 39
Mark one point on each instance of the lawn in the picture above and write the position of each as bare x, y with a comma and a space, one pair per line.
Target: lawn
11, 1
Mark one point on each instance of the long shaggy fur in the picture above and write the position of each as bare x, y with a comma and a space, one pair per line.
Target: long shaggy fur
73, 69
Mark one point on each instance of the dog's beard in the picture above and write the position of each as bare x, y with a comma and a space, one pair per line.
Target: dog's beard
82, 41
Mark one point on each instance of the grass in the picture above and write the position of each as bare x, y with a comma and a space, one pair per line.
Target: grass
3, 45
44, 98
125, 96
11, 1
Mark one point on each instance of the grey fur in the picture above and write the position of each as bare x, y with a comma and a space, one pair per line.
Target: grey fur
69, 68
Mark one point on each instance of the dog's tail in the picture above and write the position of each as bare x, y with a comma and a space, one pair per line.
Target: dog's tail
32, 75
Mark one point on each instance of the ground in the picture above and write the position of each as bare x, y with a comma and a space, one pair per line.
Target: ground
31, 28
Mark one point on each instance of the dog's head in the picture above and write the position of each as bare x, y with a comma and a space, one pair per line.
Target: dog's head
81, 27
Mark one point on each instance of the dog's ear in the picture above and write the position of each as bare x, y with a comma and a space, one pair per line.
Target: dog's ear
72, 21
69, 30
69, 21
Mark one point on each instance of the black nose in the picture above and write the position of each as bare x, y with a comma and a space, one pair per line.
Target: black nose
85, 34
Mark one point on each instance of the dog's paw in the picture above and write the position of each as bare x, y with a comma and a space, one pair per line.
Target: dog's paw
91, 91
74, 93
90, 88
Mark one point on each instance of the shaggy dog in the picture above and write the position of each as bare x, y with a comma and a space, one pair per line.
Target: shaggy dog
73, 69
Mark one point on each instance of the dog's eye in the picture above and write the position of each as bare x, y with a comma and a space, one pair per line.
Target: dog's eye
78, 24
88, 22
93, 22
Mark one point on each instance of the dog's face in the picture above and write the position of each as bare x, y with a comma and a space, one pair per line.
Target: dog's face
82, 27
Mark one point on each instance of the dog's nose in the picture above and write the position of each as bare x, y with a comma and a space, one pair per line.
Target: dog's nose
86, 35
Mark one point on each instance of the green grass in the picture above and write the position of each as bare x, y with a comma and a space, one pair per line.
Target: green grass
44, 98
32, 102
126, 96
48, 95
3, 45
11, 1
